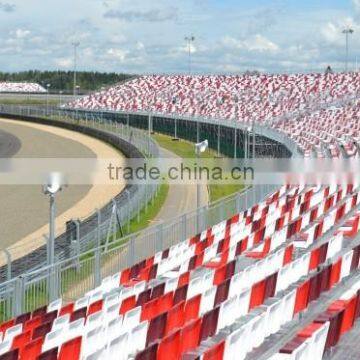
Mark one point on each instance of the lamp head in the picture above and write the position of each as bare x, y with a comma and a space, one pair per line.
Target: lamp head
201, 147
54, 184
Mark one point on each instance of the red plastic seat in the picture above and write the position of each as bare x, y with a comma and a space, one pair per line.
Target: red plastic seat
222, 292
42, 330
209, 323
302, 294
67, 309
51, 354
32, 350
22, 319
10, 355
192, 308
127, 304
21, 340
6, 325
149, 353
39, 311
71, 349
190, 336
95, 307
257, 294
156, 329
175, 318
216, 352
32, 323
169, 348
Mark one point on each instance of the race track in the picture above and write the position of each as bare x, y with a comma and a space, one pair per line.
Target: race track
24, 209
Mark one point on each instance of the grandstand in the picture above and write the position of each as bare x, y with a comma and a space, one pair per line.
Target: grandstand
277, 281
21, 88
264, 99
220, 294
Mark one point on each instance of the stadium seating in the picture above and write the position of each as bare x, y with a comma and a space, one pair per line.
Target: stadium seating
20, 87
290, 103
217, 295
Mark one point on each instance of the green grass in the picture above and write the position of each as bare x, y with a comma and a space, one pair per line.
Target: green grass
185, 149
27, 101
218, 191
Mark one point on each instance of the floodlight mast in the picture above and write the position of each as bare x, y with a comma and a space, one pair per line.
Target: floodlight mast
348, 31
189, 39
51, 189
75, 45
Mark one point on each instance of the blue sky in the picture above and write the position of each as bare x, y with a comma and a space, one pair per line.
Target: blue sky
142, 36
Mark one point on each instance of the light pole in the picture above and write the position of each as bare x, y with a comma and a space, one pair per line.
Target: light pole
347, 32
75, 45
189, 39
60, 98
199, 148
47, 98
51, 189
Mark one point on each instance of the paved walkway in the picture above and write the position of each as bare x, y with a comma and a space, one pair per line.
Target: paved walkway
181, 199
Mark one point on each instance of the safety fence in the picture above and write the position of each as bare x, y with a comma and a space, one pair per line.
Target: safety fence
80, 271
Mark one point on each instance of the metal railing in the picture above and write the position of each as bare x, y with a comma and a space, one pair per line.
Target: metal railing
79, 273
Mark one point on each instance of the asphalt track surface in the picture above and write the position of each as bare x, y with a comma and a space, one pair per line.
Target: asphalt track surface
23, 208
9, 144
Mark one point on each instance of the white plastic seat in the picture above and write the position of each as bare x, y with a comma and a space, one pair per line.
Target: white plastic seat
118, 348
75, 329
55, 305
234, 349
92, 341
53, 339
10, 333
94, 320
137, 340
5, 346
114, 328
81, 303
132, 318
61, 322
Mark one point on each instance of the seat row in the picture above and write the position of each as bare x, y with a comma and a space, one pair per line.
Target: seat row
21, 87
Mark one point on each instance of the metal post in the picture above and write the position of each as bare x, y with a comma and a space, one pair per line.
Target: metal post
8, 264
159, 240
18, 298
97, 275
75, 44
235, 143
198, 131
175, 130
245, 144
198, 196
183, 227
52, 230
254, 144
218, 140
129, 210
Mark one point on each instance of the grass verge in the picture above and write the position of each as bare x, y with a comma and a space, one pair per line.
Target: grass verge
185, 149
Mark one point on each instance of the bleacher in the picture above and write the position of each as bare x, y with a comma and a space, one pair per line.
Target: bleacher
287, 102
21, 88
218, 295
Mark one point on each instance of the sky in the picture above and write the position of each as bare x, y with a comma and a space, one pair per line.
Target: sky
148, 36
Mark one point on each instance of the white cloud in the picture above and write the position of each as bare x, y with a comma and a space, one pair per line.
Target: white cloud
256, 43
117, 54
356, 4
64, 63
21, 33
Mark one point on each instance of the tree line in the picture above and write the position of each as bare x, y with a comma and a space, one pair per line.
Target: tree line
64, 80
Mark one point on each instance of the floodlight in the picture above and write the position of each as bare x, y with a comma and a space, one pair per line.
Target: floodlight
202, 146
54, 184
